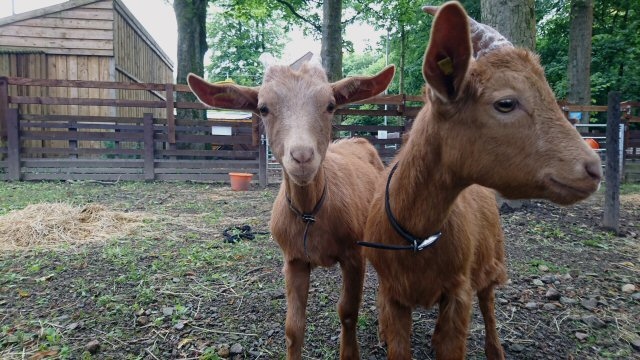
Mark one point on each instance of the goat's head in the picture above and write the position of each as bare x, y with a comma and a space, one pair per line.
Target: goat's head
296, 107
496, 116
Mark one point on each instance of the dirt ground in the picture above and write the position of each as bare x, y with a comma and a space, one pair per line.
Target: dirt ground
174, 289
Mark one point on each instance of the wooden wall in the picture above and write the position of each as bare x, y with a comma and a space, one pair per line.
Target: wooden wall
85, 30
139, 59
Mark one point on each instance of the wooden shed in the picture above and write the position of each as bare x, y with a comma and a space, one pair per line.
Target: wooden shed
95, 40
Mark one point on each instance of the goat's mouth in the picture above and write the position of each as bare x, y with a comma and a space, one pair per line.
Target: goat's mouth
302, 175
566, 194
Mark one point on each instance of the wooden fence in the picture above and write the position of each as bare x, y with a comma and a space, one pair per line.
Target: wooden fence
630, 120
46, 146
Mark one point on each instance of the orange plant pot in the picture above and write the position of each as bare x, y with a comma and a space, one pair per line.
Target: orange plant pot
240, 181
593, 143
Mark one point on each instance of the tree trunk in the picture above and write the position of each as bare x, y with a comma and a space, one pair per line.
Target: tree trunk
191, 16
331, 47
403, 55
515, 19
579, 71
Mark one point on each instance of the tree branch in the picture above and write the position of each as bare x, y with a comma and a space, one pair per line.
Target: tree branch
293, 11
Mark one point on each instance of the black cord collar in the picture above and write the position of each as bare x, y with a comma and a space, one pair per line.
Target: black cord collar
308, 218
416, 244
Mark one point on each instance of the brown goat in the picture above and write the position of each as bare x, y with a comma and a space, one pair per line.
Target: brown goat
320, 211
491, 121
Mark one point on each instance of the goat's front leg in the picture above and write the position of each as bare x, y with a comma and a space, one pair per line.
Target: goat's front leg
296, 275
492, 347
454, 313
394, 326
353, 268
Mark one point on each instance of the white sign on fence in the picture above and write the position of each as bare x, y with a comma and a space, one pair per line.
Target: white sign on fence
221, 130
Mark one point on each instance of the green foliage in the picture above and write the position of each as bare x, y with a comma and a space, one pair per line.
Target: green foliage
239, 31
615, 62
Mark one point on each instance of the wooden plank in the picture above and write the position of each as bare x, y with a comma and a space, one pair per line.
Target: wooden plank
85, 84
218, 178
80, 136
149, 158
369, 128
53, 23
611, 218
582, 108
46, 125
367, 112
205, 164
64, 44
226, 154
209, 170
13, 145
79, 163
20, 31
85, 14
96, 177
262, 161
82, 118
211, 139
171, 120
81, 151
93, 101
4, 105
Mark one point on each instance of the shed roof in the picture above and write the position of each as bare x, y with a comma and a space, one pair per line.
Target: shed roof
71, 4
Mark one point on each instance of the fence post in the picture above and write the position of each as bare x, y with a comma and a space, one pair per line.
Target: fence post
4, 105
262, 161
611, 219
171, 119
13, 145
149, 157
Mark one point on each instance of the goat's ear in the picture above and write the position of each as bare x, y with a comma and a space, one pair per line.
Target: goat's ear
358, 88
225, 96
449, 52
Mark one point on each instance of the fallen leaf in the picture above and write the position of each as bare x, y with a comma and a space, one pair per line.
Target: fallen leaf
45, 278
43, 354
184, 342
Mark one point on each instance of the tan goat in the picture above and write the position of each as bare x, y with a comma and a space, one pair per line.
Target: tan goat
320, 211
491, 121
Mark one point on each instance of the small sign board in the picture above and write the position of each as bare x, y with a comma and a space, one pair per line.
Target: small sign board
575, 115
221, 130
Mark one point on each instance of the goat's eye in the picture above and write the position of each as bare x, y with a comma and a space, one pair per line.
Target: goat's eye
331, 107
264, 110
505, 105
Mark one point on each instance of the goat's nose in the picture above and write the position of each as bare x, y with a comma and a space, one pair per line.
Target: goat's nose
593, 169
302, 154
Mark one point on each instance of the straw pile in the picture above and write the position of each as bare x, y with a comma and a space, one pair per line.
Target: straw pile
54, 224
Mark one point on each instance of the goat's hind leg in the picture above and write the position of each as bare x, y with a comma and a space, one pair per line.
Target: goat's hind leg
353, 268
296, 273
492, 348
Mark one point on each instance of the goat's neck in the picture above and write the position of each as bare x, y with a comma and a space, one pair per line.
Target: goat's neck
304, 198
422, 189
